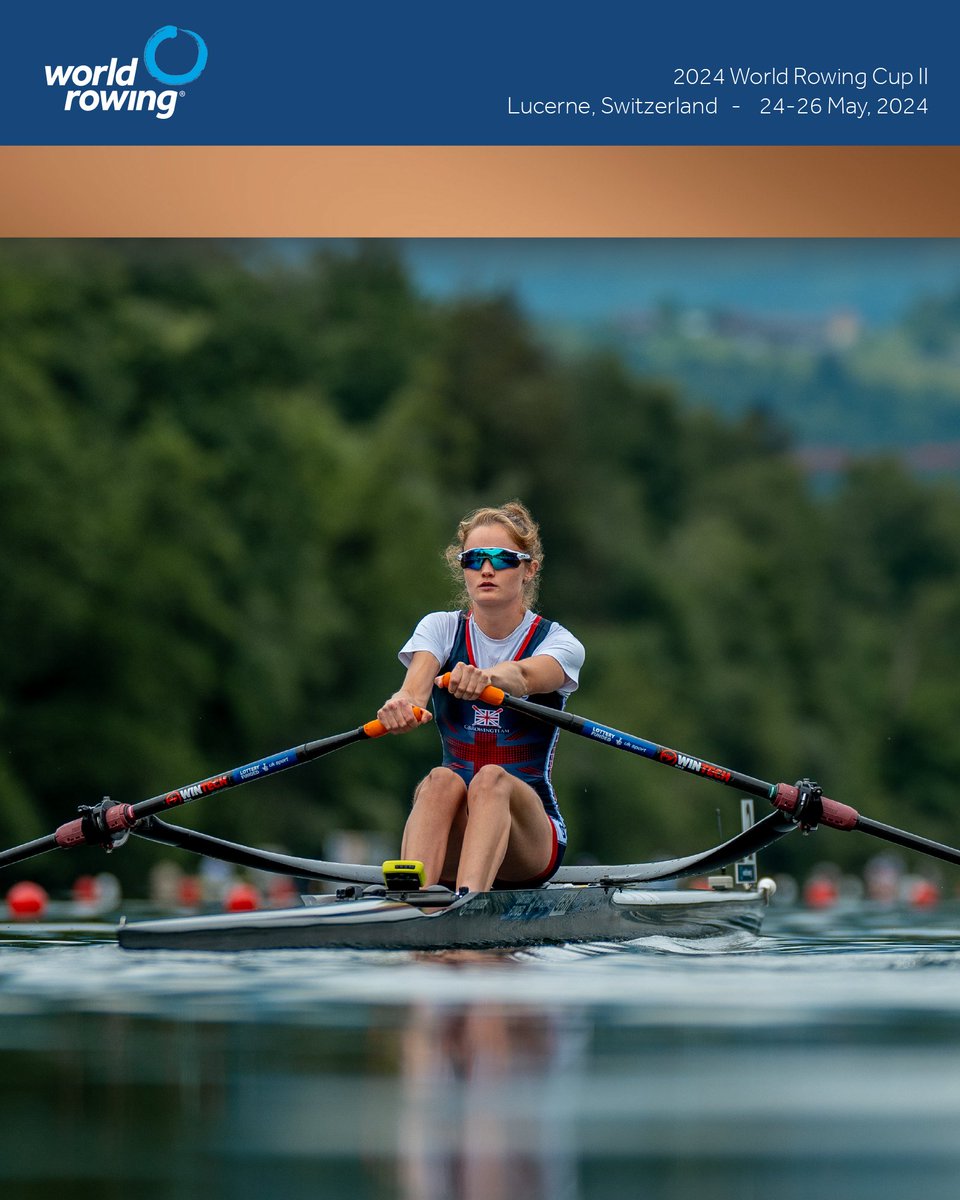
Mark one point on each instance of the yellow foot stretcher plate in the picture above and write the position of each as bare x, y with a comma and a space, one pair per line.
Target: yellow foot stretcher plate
403, 874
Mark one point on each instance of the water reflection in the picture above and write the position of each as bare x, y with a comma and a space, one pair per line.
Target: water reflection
425, 1101
821, 1059
477, 1121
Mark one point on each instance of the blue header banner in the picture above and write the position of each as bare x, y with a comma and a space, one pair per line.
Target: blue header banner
199, 72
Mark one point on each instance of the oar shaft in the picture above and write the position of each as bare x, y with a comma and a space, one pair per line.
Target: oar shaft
668, 757
28, 850
125, 816
259, 769
787, 797
631, 743
103, 823
910, 841
784, 796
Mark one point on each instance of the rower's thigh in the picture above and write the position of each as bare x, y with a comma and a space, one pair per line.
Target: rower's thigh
438, 818
440, 804
531, 831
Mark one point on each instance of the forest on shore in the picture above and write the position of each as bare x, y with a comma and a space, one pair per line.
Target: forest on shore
225, 487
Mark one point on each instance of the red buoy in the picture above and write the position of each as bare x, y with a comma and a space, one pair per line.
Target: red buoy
923, 893
85, 890
189, 892
820, 892
26, 899
241, 897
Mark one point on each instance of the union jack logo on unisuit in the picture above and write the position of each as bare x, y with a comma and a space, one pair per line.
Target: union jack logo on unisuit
486, 718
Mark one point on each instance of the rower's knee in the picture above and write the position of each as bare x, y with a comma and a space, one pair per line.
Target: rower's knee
490, 781
441, 787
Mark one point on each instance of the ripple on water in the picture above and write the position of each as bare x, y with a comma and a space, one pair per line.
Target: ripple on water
877, 964
815, 1059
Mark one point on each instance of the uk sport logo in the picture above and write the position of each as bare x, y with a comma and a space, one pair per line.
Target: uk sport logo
113, 86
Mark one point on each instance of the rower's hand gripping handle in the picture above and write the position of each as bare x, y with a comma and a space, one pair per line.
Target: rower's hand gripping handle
375, 728
489, 695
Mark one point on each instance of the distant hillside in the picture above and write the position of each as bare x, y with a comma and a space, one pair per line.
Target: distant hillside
839, 387
597, 279
851, 345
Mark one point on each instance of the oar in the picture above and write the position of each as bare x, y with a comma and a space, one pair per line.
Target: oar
108, 823
803, 802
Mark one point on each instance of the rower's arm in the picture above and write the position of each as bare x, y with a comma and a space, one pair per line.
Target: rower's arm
526, 677
537, 676
397, 714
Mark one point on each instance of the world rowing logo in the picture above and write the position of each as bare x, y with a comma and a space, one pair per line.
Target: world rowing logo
167, 33
112, 86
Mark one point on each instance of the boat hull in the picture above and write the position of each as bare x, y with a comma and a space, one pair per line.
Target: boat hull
485, 920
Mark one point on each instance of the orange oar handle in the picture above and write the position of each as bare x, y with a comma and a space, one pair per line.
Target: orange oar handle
489, 695
375, 728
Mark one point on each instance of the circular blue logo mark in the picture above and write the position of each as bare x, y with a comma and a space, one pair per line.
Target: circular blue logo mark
165, 33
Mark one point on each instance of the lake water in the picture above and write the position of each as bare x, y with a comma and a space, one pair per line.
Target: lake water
822, 1058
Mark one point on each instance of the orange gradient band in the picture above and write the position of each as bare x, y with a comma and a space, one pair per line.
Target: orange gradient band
486, 191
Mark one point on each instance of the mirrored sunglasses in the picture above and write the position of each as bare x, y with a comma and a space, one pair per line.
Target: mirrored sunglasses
497, 556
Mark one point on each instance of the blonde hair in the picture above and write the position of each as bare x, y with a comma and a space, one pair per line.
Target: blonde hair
524, 530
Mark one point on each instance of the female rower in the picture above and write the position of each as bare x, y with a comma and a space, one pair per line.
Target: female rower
488, 816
